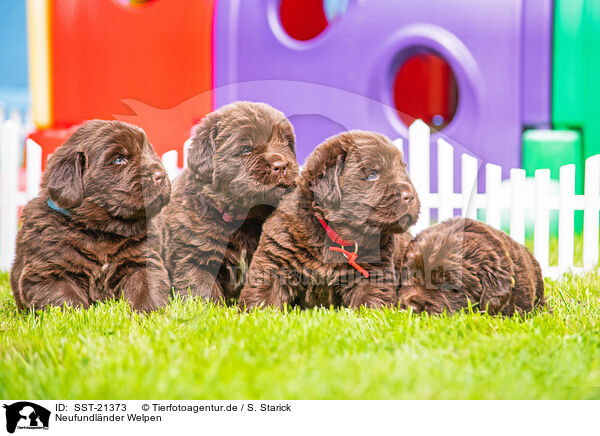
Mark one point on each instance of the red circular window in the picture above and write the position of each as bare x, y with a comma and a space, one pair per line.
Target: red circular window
425, 88
305, 19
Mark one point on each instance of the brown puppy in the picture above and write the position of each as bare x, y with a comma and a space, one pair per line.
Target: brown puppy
85, 239
354, 190
242, 161
462, 260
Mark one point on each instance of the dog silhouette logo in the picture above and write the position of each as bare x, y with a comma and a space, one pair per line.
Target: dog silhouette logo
26, 415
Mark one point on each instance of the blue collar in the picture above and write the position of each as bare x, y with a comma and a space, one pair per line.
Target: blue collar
52, 205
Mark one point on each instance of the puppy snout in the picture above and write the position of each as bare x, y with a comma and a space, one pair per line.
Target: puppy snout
155, 172
278, 164
158, 175
407, 197
407, 194
412, 301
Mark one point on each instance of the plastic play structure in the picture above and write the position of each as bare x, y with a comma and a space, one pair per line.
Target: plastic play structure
484, 45
575, 90
112, 58
511, 82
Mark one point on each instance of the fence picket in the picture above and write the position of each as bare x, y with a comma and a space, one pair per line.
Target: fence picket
418, 166
541, 232
566, 217
29, 124
493, 180
169, 160
399, 144
33, 169
469, 186
590, 214
9, 164
15, 116
517, 205
186, 151
445, 180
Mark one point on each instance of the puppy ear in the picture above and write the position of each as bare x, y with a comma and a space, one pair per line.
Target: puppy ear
417, 261
200, 158
64, 176
285, 129
326, 187
413, 263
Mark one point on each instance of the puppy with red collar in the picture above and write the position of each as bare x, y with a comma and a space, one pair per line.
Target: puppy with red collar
332, 241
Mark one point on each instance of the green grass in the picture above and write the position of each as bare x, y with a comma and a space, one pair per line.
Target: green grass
196, 350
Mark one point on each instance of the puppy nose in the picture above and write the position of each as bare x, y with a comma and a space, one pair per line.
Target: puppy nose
158, 175
407, 193
279, 166
412, 301
277, 163
407, 197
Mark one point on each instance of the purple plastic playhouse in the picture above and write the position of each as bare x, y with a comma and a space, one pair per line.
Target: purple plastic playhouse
499, 53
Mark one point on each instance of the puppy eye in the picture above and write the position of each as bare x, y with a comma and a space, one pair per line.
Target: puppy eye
373, 175
120, 161
245, 150
449, 287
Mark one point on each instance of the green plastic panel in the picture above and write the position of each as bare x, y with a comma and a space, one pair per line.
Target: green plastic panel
552, 149
576, 71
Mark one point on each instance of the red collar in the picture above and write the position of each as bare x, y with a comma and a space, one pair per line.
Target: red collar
333, 235
344, 243
226, 216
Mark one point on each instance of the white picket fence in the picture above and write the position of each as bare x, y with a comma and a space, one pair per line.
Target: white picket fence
445, 200
518, 202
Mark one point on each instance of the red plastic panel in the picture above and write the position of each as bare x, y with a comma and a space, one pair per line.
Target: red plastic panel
50, 139
157, 55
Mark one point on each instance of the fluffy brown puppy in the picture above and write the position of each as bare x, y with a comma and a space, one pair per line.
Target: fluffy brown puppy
354, 190
462, 260
85, 238
242, 161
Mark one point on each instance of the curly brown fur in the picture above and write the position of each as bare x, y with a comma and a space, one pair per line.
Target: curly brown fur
111, 185
242, 161
461, 260
293, 264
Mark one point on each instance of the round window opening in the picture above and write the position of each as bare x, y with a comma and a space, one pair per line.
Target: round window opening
304, 20
425, 88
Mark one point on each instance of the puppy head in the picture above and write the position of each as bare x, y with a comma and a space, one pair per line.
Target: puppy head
244, 155
436, 271
358, 181
421, 286
107, 170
